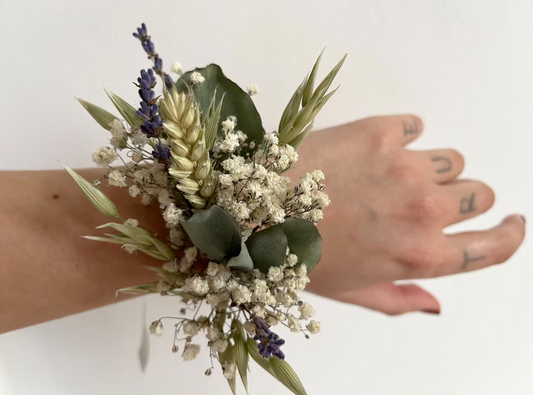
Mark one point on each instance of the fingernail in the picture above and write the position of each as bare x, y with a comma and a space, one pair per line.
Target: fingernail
523, 218
431, 311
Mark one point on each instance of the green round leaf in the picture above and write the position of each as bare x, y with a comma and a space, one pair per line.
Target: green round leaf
236, 101
303, 240
215, 233
267, 248
242, 261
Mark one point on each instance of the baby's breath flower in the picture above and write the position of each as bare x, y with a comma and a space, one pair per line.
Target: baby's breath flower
131, 222
177, 68
136, 157
196, 285
156, 328
213, 334
117, 179
291, 260
190, 328
294, 324
197, 78
219, 345
314, 327
249, 327
275, 274
229, 370
306, 311
103, 156
129, 248
173, 215
190, 352
252, 90
241, 295
176, 237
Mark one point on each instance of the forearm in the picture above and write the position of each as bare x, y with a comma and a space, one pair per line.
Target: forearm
47, 270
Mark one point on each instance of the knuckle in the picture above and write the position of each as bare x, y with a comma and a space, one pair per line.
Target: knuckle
401, 171
425, 208
424, 257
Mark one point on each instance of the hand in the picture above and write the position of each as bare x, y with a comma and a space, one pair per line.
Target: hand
389, 208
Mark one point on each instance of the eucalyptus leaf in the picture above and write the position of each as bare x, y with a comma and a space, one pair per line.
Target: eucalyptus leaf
241, 353
236, 101
304, 240
287, 376
100, 115
267, 247
128, 112
243, 260
215, 233
97, 198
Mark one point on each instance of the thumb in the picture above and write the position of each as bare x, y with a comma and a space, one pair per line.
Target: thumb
393, 299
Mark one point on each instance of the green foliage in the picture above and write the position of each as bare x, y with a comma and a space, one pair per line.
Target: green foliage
212, 121
236, 101
242, 261
97, 198
100, 115
215, 233
267, 247
150, 287
287, 376
296, 122
304, 240
128, 112
228, 356
241, 352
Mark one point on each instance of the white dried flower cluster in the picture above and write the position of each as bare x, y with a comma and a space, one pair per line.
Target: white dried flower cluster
177, 68
119, 134
104, 156
252, 90
197, 78
117, 179
190, 352
253, 191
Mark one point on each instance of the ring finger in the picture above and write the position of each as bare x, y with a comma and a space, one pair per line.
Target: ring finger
440, 166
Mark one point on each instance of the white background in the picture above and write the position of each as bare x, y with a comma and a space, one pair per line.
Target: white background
464, 66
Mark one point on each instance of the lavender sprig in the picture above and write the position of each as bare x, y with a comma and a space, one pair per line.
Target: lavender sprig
162, 153
149, 48
269, 342
153, 124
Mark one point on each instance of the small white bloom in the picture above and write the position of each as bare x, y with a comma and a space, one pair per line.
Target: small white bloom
103, 156
318, 175
190, 328
177, 68
173, 215
156, 328
213, 334
134, 191
164, 198
229, 370
139, 138
252, 90
306, 311
272, 321
146, 199
176, 237
275, 274
219, 345
188, 259
117, 179
314, 327
170, 266
212, 269
196, 285
136, 157
190, 352
97, 183
132, 222
291, 260
129, 248
241, 295
197, 78
294, 324
162, 286
250, 328
229, 124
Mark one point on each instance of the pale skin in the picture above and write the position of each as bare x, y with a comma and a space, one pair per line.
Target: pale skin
389, 208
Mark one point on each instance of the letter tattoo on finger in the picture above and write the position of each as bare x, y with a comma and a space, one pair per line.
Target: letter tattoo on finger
468, 259
467, 205
446, 168
409, 128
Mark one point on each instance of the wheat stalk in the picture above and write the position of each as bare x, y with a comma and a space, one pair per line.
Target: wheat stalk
192, 166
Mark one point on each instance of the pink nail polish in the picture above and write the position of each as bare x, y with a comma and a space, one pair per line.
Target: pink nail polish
431, 311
